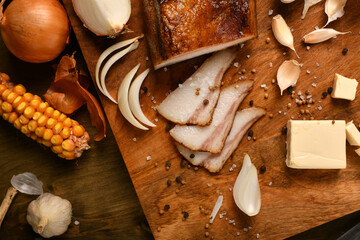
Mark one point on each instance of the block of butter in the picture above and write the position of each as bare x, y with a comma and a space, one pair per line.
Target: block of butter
344, 88
352, 134
316, 144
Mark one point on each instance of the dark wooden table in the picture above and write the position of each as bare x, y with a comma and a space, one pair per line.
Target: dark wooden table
97, 185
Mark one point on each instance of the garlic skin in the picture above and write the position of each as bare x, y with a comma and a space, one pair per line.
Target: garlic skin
321, 35
307, 5
49, 215
103, 17
287, 1
283, 33
334, 9
288, 74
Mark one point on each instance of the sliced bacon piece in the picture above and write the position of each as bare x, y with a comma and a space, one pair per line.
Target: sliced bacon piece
244, 119
211, 138
186, 104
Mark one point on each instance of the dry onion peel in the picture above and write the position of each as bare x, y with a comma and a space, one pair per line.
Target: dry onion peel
35, 31
321, 35
70, 83
288, 74
216, 208
334, 9
123, 99
246, 190
103, 17
106, 53
111, 62
307, 5
134, 102
283, 33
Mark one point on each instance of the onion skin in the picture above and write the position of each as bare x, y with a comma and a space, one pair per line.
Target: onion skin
35, 31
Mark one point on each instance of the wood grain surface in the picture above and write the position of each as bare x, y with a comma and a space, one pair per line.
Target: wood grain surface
297, 199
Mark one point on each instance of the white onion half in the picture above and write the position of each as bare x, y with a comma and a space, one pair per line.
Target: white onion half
123, 99
105, 54
246, 190
111, 62
134, 101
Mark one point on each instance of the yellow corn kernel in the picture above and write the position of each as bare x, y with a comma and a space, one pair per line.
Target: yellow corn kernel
32, 125
5, 94
17, 101
6, 107
33, 136
58, 127
78, 130
65, 133
46, 143
17, 124
51, 123
29, 112
42, 120
39, 131
24, 129
57, 149
67, 122
42, 107
12, 117
68, 155
23, 120
68, 145
49, 111
74, 123
56, 140
2, 88
21, 107
37, 115
56, 114
62, 117
28, 97
19, 89
11, 97
36, 97
47, 134
6, 116
35, 103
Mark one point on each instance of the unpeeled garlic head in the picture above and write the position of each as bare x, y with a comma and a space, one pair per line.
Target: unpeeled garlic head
49, 215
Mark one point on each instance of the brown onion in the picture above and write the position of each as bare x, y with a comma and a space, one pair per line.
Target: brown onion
34, 30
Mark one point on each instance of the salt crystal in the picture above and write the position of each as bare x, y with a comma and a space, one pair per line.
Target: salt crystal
317, 64
301, 64
271, 12
242, 45
76, 222
302, 97
308, 71
270, 183
236, 64
238, 233
249, 227
292, 30
335, 37
319, 108
309, 96
263, 85
296, 100
313, 84
231, 221
308, 48
231, 169
284, 113
257, 235
271, 64
165, 69
209, 185
280, 112
196, 67
299, 93
217, 191
284, 53
156, 120
148, 158
245, 229
316, 28
180, 85
226, 219
152, 98
220, 216
147, 58
230, 189
248, 56
234, 165
134, 139
249, 138
315, 77
224, 213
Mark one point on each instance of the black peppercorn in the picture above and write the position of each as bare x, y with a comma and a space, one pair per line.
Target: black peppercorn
167, 128
262, 169
168, 182
290, 89
251, 133
330, 90
284, 130
324, 95
186, 215
166, 207
251, 103
167, 164
345, 51
192, 155
145, 89
206, 102
178, 179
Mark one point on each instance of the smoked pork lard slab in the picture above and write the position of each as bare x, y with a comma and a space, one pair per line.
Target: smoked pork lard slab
194, 101
211, 138
243, 121
177, 30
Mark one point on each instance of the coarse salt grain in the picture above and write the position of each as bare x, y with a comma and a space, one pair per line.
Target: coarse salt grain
236, 64
76, 222
156, 120
257, 235
147, 58
230, 189
292, 30
319, 108
231, 221
249, 138
313, 84
180, 85
242, 45
234, 165
245, 229
270, 64
148, 158
284, 113
280, 112
271, 12
238, 233
284, 53
248, 56
301, 64
317, 64
134, 139
308, 48
299, 93
270, 183
308, 71
226, 219
263, 85
231, 169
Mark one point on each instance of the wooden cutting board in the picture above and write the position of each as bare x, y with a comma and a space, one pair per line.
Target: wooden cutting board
292, 200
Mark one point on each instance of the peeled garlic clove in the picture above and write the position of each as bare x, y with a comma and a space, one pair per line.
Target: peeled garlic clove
103, 17
287, 1
123, 99
321, 35
288, 74
27, 183
246, 190
106, 53
49, 215
307, 5
282, 32
134, 102
111, 62
334, 9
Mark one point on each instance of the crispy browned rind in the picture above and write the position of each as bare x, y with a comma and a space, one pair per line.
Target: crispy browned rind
199, 27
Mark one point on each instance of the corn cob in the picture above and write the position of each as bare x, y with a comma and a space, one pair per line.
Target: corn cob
37, 120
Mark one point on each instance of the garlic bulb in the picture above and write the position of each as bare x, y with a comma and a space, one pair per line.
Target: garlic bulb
49, 215
246, 191
103, 17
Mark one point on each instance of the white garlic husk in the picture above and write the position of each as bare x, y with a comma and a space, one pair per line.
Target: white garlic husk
49, 215
103, 17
